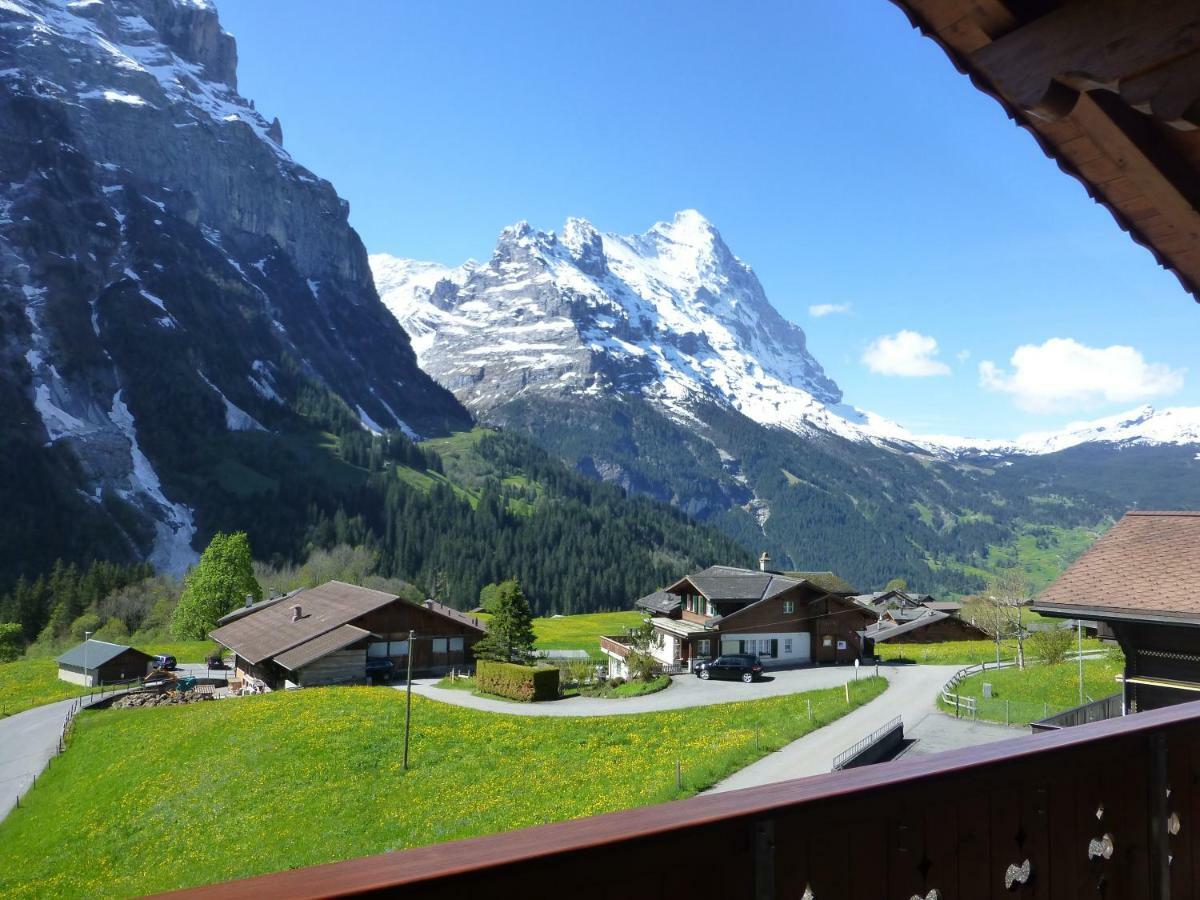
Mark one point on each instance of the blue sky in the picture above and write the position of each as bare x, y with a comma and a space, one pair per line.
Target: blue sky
838, 153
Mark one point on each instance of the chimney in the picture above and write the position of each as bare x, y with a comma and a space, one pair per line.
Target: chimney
249, 600
296, 613
763, 561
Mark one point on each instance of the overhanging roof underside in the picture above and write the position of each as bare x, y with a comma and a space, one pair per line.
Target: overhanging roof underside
1110, 89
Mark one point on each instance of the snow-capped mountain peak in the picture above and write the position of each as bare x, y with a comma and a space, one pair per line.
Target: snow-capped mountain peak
670, 314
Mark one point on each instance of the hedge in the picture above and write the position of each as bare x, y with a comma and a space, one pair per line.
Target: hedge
516, 682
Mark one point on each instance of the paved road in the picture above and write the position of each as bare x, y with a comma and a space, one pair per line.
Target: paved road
685, 691
911, 695
27, 741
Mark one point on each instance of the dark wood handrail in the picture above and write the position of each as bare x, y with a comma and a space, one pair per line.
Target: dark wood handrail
422, 865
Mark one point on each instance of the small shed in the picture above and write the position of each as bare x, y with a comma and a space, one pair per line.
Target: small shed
99, 662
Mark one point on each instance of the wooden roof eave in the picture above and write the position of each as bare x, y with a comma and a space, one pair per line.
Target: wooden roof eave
1114, 614
1160, 184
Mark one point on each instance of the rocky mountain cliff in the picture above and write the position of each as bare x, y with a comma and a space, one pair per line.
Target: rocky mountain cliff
170, 278
656, 361
670, 315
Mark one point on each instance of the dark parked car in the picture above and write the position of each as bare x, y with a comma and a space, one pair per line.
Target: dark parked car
167, 663
734, 666
379, 668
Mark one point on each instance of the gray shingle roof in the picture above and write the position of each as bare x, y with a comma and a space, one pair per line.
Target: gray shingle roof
98, 653
719, 583
884, 631
659, 602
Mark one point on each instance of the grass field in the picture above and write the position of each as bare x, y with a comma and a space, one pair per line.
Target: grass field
30, 682
33, 681
964, 653
304, 777
1021, 697
583, 632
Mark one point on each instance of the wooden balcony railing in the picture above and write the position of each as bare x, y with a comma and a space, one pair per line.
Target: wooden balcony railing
614, 644
1109, 809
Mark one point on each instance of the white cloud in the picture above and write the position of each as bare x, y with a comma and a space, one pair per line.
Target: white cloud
820, 310
1063, 375
962, 355
906, 353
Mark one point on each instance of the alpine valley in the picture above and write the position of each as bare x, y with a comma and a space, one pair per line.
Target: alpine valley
191, 341
656, 361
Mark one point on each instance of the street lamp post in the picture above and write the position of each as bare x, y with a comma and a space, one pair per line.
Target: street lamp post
408, 699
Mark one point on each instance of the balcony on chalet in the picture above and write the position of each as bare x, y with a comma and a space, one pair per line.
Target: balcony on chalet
615, 645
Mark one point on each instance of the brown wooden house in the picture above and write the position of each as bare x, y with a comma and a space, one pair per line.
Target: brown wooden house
783, 619
99, 662
326, 635
1140, 580
922, 626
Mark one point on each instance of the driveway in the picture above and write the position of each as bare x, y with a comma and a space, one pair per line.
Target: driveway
911, 694
685, 691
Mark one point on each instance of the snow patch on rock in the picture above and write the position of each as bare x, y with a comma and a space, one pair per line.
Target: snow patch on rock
174, 524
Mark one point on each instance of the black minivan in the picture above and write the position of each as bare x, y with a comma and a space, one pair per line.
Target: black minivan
734, 666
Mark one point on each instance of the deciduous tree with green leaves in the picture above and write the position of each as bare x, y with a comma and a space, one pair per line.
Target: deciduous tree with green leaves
509, 636
642, 641
217, 585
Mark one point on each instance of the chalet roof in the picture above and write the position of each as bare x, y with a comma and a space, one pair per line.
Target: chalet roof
270, 630
94, 653
885, 631
660, 602
1146, 567
830, 582
449, 612
944, 605
322, 645
1108, 89
718, 583
255, 607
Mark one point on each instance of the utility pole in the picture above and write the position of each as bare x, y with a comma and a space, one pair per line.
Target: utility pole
408, 699
1079, 649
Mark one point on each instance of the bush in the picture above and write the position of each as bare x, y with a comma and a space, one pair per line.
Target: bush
1051, 646
11, 641
524, 683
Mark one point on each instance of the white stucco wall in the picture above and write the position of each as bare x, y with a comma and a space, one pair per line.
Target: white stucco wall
77, 676
801, 646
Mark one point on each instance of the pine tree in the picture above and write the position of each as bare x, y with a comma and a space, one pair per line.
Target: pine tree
510, 630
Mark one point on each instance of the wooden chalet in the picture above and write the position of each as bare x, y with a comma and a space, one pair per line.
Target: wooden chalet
905, 617
1140, 580
326, 635
1110, 89
783, 618
921, 626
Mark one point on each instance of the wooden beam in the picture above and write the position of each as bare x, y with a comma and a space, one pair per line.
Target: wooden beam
1171, 199
1170, 93
1084, 46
